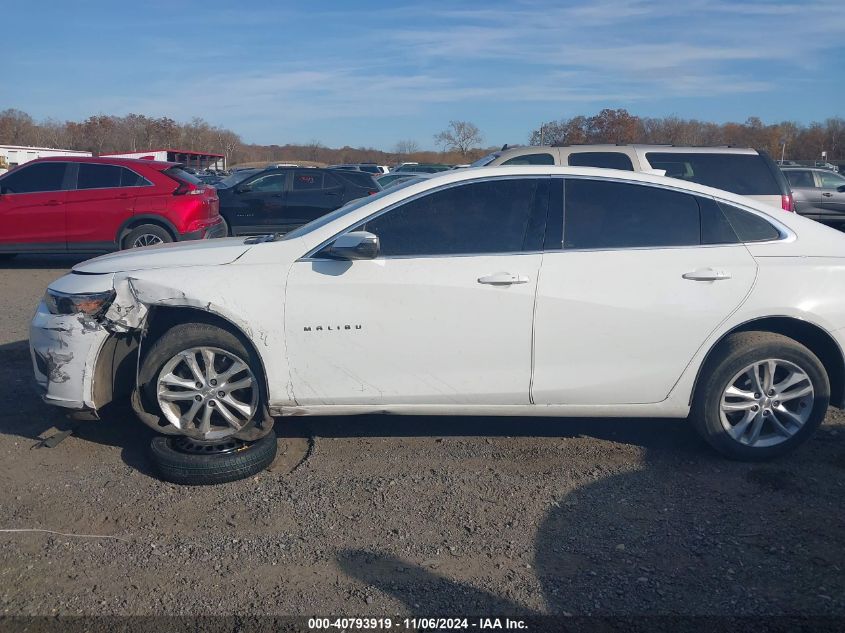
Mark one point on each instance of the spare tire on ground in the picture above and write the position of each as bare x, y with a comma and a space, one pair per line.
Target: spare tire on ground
182, 460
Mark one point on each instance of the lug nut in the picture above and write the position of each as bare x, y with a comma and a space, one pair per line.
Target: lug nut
199, 385
771, 392
756, 395
765, 412
211, 403
755, 408
213, 382
197, 398
776, 403
222, 394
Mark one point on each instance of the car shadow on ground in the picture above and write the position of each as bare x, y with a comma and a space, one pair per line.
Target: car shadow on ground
686, 534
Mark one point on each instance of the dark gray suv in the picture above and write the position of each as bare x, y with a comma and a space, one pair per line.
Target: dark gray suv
818, 193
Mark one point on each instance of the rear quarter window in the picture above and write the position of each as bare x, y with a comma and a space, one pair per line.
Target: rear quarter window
743, 174
358, 179
747, 226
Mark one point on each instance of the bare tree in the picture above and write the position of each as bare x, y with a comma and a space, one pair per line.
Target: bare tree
460, 136
313, 150
407, 147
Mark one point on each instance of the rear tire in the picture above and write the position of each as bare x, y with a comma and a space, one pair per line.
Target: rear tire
146, 235
728, 407
181, 461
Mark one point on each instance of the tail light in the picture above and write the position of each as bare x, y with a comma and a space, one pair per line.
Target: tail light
787, 202
188, 189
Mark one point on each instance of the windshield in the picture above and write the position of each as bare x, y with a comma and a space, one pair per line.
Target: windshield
347, 208
485, 160
235, 178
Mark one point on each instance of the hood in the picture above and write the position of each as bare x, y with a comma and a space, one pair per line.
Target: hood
193, 253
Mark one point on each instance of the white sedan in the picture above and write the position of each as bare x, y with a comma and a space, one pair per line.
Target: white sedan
543, 291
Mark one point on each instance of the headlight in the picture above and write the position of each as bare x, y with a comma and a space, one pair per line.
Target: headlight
91, 304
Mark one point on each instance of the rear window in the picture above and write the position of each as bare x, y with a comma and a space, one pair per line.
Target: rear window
605, 160
744, 174
182, 175
370, 169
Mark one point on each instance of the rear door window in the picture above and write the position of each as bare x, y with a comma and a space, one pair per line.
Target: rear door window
531, 159
745, 174
307, 180
36, 178
601, 214
606, 160
93, 176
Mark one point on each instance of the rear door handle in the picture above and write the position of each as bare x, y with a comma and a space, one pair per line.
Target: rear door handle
52, 203
827, 194
707, 274
503, 279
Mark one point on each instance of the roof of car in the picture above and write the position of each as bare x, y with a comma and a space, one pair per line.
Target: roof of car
606, 147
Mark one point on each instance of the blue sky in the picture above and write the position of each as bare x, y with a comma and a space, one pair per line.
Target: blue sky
374, 73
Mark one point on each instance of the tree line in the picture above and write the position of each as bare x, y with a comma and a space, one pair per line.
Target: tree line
795, 140
461, 141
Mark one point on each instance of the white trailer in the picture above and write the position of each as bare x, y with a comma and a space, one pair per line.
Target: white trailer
14, 155
190, 158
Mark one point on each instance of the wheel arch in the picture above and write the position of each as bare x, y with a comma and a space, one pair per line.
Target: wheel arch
162, 318
813, 337
137, 220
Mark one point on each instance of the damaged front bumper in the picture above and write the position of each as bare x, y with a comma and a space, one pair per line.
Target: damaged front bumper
64, 351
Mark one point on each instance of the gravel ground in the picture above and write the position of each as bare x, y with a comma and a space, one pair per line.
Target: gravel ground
391, 515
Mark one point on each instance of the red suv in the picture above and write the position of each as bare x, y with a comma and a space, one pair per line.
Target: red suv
76, 204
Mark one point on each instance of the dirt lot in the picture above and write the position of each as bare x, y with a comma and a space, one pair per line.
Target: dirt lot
422, 516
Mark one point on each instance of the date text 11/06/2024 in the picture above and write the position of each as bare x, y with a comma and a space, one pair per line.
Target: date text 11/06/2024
422, 624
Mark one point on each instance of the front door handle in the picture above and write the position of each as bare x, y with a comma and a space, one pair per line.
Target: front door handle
827, 194
503, 279
52, 203
707, 274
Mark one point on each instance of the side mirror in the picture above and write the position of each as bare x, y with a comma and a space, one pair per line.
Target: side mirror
243, 188
840, 189
355, 245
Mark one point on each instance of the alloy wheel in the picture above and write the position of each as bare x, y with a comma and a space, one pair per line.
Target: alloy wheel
767, 403
207, 393
147, 239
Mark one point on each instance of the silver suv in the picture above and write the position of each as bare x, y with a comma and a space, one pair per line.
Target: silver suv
744, 171
819, 193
